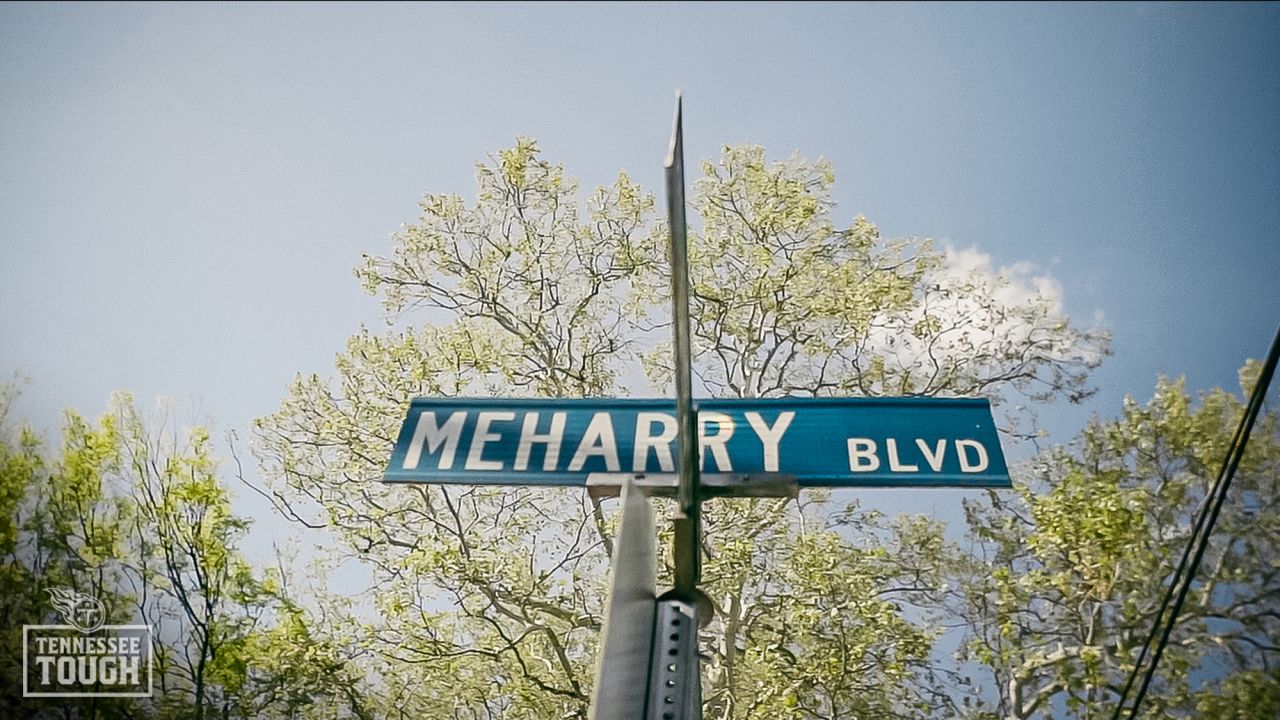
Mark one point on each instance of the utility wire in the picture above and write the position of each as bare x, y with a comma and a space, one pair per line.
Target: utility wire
1199, 539
1178, 578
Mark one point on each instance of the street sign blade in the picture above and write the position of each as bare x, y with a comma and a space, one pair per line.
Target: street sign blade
622, 673
686, 557
820, 442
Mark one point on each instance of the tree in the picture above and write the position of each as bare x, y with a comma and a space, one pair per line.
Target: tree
65, 530
488, 601
1077, 561
138, 518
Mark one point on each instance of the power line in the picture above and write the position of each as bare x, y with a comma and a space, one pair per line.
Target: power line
1199, 539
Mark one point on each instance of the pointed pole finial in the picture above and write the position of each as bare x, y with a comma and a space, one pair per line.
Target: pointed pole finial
688, 530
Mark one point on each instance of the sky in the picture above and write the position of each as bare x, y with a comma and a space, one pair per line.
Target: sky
185, 188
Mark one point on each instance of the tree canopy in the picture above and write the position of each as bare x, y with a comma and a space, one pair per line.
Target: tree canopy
489, 600
137, 516
1073, 566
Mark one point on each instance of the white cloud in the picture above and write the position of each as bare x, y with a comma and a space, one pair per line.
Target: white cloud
1014, 284
984, 317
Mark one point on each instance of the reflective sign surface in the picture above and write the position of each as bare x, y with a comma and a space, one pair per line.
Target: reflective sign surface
832, 442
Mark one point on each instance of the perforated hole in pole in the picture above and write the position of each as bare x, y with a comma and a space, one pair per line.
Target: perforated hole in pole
672, 667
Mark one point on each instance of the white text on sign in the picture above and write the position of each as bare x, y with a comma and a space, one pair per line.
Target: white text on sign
652, 439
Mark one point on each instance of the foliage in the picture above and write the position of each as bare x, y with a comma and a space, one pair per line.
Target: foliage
1077, 563
489, 600
138, 518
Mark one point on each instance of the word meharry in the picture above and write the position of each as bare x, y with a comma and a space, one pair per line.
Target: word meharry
503, 440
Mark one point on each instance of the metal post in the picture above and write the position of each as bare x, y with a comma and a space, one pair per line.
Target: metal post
675, 684
688, 528
666, 626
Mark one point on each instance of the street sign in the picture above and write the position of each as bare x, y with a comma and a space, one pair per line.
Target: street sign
815, 442
623, 666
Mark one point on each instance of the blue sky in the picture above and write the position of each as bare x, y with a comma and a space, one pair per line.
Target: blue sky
186, 187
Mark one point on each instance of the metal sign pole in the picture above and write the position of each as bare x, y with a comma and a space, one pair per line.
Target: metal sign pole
665, 627
688, 530
649, 660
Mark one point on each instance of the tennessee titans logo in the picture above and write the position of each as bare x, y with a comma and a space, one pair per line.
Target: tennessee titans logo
83, 612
